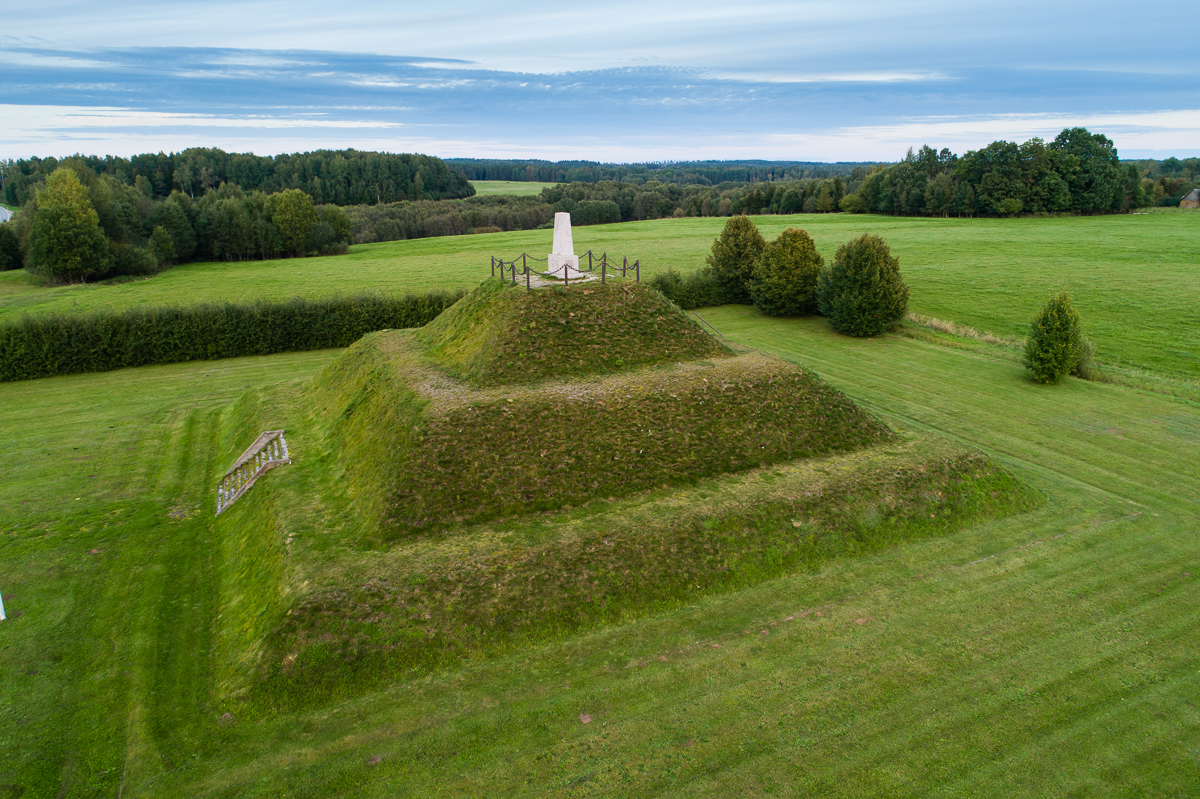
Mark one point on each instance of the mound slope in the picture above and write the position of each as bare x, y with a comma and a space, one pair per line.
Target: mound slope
501, 334
424, 450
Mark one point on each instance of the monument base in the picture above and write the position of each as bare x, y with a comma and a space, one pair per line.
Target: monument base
555, 264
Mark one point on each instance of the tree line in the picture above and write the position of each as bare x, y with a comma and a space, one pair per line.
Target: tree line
337, 177
1077, 172
595, 204
699, 173
81, 225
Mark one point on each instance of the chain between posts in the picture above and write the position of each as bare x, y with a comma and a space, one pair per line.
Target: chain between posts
519, 266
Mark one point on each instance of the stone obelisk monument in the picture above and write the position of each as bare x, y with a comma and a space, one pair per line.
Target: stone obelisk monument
563, 257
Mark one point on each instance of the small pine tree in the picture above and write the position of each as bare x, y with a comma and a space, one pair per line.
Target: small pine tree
1055, 343
734, 254
862, 292
784, 281
66, 243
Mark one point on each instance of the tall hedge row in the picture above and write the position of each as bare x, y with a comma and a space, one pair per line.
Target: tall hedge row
41, 346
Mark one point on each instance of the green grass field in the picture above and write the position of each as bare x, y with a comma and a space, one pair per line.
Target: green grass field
1133, 277
1047, 654
517, 188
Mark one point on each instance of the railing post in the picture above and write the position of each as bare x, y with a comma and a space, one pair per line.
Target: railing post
637, 265
624, 264
493, 266
603, 269
527, 286
589, 260
514, 271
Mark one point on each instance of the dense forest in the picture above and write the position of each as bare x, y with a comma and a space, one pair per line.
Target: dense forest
1078, 172
80, 225
343, 177
686, 173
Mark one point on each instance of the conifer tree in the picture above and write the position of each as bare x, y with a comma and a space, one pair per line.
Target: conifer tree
1055, 342
734, 254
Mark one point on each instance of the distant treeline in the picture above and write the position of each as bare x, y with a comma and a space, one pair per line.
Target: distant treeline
1077, 172
594, 204
699, 173
341, 177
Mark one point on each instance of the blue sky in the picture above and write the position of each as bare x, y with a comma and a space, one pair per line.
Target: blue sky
619, 81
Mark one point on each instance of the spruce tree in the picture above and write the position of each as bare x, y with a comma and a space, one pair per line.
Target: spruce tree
734, 254
66, 244
1055, 342
862, 292
784, 282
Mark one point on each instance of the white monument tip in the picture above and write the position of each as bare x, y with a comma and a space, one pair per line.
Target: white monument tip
563, 259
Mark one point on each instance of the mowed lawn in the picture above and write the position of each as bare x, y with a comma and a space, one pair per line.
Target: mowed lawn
1048, 654
1134, 278
512, 188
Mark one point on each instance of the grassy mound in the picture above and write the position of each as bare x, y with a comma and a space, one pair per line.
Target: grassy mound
502, 334
422, 451
430, 603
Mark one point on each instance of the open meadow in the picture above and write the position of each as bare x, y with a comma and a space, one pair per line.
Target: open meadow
1046, 653
1133, 277
512, 188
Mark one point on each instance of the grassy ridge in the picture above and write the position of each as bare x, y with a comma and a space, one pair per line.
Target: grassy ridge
1132, 276
371, 417
478, 591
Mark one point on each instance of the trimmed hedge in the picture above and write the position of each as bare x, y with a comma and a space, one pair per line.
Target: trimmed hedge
42, 346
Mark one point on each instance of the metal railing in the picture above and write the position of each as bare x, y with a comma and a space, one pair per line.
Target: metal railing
510, 269
268, 451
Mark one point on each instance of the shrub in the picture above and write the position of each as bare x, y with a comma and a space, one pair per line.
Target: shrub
10, 248
862, 293
66, 243
129, 259
41, 346
697, 289
1085, 367
1055, 343
734, 254
784, 282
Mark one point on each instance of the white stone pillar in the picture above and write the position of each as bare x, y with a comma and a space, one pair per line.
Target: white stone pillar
564, 249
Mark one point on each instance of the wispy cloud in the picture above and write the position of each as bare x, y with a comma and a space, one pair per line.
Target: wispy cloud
631, 80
